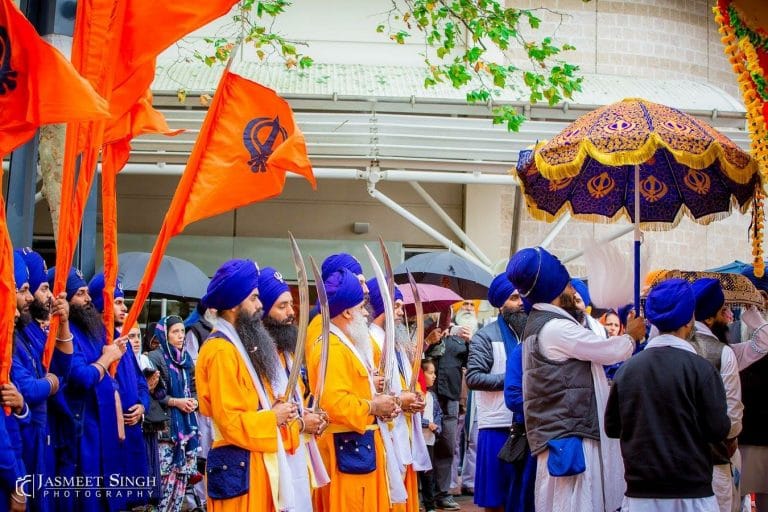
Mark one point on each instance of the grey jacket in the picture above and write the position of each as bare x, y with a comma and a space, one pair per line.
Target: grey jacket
486, 368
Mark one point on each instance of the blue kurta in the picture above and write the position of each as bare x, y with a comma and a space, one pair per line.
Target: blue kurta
93, 426
11, 463
133, 453
29, 375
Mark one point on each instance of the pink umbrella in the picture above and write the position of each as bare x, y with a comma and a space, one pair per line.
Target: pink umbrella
434, 298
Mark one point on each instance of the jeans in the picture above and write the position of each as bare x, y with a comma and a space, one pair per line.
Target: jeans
445, 446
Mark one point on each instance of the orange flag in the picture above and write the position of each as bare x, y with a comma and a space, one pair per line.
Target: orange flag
141, 119
38, 85
247, 143
7, 297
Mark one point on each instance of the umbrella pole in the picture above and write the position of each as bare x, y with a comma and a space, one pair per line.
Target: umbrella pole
638, 236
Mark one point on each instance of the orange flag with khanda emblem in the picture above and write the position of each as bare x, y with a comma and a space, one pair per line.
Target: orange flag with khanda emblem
38, 85
248, 142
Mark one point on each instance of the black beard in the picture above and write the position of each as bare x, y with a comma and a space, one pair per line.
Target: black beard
516, 321
568, 303
720, 330
24, 320
284, 335
258, 343
87, 319
39, 311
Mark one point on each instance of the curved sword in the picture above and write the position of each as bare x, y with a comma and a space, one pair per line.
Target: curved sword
419, 333
325, 336
390, 285
298, 353
388, 349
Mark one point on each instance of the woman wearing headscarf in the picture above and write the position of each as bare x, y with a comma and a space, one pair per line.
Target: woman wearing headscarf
179, 443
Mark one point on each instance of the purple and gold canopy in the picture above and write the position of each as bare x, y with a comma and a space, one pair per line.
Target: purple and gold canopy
686, 168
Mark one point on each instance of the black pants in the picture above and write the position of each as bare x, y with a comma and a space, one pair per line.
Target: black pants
427, 482
445, 447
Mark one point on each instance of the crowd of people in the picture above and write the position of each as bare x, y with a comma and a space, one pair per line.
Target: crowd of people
550, 406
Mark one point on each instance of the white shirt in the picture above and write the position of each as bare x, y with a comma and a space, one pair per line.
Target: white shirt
729, 372
562, 339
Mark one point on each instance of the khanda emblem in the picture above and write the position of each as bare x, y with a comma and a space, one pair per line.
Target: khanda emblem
600, 186
653, 189
261, 136
698, 181
556, 185
7, 75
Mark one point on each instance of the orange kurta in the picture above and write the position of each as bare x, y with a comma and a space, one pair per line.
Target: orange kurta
345, 397
226, 394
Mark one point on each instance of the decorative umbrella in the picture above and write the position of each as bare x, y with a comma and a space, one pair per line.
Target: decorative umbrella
447, 270
647, 162
738, 289
176, 279
434, 299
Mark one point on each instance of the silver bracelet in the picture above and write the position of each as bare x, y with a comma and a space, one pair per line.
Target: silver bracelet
753, 340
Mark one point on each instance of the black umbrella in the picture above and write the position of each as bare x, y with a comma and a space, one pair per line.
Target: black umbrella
448, 270
176, 279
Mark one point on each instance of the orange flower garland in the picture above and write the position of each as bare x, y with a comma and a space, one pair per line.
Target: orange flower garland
744, 59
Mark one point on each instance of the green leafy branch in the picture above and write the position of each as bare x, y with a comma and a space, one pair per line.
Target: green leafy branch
460, 35
255, 20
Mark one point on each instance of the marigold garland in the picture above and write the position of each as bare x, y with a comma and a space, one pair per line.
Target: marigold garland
740, 43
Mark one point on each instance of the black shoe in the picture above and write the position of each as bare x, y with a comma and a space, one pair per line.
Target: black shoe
467, 491
447, 503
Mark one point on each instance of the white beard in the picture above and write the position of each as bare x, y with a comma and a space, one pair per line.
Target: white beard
357, 330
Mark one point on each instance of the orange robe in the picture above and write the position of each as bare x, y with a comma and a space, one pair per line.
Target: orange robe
226, 394
345, 399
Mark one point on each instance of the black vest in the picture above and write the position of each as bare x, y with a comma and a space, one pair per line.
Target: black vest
559, 397
754, 383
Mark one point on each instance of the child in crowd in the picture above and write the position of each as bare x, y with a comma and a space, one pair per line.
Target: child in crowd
431, 421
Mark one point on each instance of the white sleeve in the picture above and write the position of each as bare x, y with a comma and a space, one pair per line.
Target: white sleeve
750, 352
729, 371
191, 345
563, 339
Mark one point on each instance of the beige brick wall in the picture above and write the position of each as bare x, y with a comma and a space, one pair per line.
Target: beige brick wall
643, 38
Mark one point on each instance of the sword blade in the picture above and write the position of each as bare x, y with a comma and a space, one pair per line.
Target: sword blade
325, 336
417, 353
390, 282
298, 354
388, 349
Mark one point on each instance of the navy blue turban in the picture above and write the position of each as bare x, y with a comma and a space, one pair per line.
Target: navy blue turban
344, 291
336, 262
75, 281
20, 272
500, 290
375, 299
96, 291
232, 283
709, 297
670, 305
271, 287
538, 275
581, 287
38, 271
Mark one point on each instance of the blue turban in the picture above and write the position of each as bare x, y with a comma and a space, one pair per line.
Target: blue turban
75, 281
231, 284
538, 275
336, 262
581, 287
500, 290
271, 287
38, 271
709, 297
20, 272
375, 299
761, 283
670, 305
96, 291
344, 291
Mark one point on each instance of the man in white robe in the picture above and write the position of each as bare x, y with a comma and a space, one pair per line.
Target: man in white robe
565, 390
